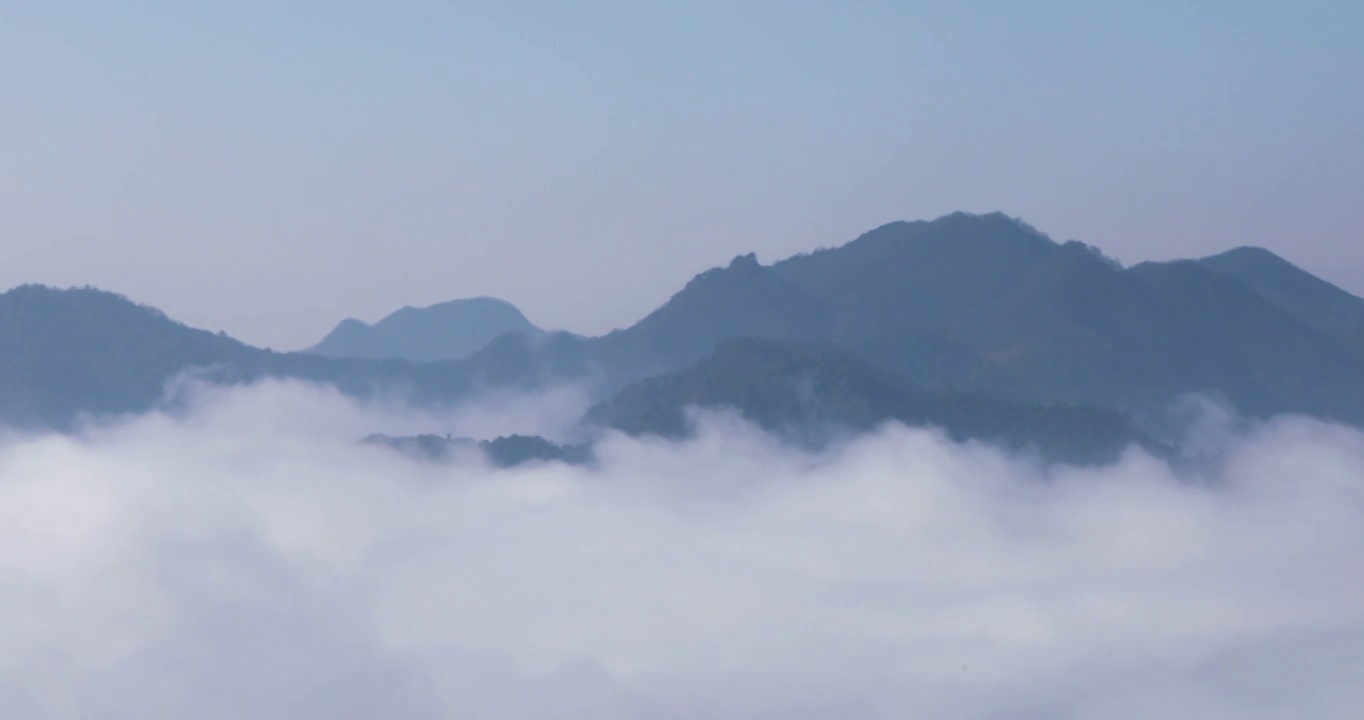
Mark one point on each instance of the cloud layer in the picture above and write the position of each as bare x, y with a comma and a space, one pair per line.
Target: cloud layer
243, 557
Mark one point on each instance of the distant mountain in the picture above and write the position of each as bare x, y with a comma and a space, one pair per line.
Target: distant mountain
746, 299
1326, 308
1230, 339
990, 305
979, 306
67, 353
447, 331
812, 393
1051, 317
740, 300
1065, 323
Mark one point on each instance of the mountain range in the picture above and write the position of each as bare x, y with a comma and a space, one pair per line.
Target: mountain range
978, 324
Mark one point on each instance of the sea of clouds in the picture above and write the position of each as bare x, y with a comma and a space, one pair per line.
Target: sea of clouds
244, 557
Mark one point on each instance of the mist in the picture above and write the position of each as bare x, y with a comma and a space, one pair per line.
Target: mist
243, 556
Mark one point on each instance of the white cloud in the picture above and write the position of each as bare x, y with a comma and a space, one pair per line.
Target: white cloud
245, 558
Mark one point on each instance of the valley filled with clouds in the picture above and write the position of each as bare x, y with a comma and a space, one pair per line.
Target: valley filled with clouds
239, 554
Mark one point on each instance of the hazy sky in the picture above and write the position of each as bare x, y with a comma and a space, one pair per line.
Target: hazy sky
268, 168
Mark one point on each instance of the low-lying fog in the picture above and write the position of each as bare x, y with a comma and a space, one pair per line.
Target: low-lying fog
244, 557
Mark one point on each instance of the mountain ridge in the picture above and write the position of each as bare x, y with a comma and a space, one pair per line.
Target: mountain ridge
1325, 306
978, 305
69, 354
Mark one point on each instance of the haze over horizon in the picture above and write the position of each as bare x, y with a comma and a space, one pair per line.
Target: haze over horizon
945, 468
345, 160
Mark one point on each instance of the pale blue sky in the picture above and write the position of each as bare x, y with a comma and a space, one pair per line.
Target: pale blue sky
269, 168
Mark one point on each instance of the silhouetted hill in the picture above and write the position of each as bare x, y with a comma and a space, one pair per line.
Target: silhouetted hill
1056, 319
64, 353
988, 304
447, 331
747, 299
980, 305
1067, 324
1326, 308
743, 299
1231, 339
810, 393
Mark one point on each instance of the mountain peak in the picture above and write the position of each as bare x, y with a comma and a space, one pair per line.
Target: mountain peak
1246, 254
444, 331
745, 262
1002, 221
1250, 260
743, 298
85, 297
1323, 306
993, 230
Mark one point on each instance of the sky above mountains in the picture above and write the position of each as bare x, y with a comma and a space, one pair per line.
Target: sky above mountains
268, 171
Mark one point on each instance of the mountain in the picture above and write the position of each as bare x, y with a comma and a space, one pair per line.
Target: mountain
65, 352
747, 299
1234, 341
68, 353
962, 302
740, 300
812, 393
980, 306
988, 304
1067, 324
447, 331
1326, 308
1062, 321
